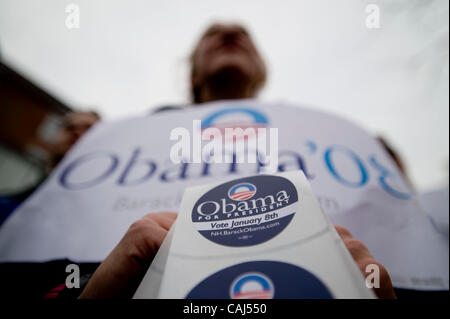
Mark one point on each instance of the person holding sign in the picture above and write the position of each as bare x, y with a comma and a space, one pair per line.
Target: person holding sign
225, 65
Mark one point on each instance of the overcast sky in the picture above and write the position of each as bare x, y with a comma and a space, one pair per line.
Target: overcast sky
130, 56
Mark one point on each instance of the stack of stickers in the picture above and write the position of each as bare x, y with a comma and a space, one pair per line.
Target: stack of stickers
258, 237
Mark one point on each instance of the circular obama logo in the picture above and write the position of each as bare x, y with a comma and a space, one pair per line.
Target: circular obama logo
242, 191
261, 280
246, 211
252, 285
236, 117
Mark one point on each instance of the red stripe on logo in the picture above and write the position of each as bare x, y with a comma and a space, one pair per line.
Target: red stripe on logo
253, 295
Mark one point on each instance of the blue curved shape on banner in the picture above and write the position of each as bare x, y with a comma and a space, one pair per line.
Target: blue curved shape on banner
257, 116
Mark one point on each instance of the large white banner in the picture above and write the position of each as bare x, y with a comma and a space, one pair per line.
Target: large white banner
120, 171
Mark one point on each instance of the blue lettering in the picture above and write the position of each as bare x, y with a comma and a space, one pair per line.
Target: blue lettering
131, 164
298, 163
330, 165
180, 172
386, 174
67, 172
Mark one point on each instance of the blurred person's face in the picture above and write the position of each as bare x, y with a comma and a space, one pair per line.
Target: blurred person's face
75, 125
227, 48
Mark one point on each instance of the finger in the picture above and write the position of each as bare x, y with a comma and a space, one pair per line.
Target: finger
343, 232
119, 275
165, 219
357, 249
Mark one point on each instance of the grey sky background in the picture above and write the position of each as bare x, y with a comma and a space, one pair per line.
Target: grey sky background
130, 56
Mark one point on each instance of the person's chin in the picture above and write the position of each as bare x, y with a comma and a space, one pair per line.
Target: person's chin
232, 66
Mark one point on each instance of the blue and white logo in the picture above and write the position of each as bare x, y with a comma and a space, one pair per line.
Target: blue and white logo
252, 286
232, 118
247, 211
235, 117
261, 279
242, 191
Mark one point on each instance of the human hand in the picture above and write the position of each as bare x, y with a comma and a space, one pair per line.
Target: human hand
363, 258
120, 274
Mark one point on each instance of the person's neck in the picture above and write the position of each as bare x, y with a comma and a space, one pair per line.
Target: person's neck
227, 86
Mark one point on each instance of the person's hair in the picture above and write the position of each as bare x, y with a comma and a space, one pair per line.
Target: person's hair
195, 91
95, 114
90, 112
393, 153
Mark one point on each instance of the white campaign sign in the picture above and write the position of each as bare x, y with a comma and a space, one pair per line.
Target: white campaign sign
122, 170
